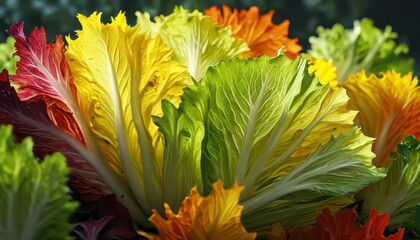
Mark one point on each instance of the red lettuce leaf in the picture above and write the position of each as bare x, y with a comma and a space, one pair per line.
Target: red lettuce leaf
31, 119
44, 74
374, 228
342, 225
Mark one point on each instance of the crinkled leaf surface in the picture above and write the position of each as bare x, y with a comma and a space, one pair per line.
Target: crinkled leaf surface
197, 41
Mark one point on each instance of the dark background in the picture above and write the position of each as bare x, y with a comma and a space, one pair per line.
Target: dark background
58, 17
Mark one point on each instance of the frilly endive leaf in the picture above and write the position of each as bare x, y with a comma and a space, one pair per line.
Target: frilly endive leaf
122, 74
35, 200
197, 41
265, 120
362, 47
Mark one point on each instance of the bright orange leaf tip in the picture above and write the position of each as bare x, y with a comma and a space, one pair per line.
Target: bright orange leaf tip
217, 216
389, 109
341, 225
262, 36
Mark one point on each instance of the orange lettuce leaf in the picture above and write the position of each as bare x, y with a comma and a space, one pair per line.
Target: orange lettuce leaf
258, 31
389, 109
342, 225
217, 216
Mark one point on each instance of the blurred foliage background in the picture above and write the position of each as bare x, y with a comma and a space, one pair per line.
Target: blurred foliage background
58, 16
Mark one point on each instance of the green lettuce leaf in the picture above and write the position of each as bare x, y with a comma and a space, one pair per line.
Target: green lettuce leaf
197, 41
399, 193
289, 140
363, 47
183, 131
7, 60
34, 197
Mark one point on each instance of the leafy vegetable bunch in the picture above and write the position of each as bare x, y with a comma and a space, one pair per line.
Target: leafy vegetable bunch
213, 126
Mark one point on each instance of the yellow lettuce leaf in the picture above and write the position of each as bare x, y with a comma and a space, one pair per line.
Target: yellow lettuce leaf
122, 74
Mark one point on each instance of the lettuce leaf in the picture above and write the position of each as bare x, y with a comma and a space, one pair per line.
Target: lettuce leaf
389, 109
122, 74
197, 41
31, 118
363, 47
43, 73
35, 199
183, 131
265, 120
398, 194
96, 99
